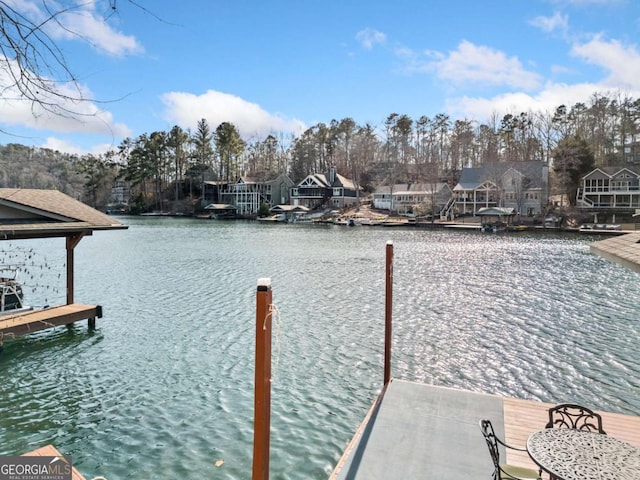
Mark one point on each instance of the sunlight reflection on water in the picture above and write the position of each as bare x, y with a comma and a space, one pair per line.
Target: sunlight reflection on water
164, 387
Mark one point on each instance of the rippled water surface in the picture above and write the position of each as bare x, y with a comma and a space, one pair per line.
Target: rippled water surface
164, 387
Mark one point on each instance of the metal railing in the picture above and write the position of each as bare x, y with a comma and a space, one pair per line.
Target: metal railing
446, 210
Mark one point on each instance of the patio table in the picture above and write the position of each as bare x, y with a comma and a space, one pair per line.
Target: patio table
577, 455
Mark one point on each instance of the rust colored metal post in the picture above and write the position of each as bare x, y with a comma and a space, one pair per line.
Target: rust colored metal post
388, 313
262, 401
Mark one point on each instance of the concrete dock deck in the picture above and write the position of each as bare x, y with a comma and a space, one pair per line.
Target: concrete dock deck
623, 250
422, 431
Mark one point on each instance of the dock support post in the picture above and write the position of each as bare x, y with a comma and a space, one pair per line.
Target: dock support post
388, 312
72, 242
262, 401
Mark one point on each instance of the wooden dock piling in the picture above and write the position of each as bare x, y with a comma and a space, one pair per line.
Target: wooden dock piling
388, 312
262, 401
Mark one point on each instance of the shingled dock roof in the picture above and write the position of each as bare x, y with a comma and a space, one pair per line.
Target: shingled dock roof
33, 213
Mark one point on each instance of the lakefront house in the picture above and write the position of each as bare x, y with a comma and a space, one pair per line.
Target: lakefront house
614, 189
329, 189
247, 194
522, 186
413, 198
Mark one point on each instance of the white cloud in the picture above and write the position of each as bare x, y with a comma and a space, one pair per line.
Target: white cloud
370, 37
68, 147
80, 22
481, 65
98, 32
217, 107
622, 62
404, 52
557, 22
74, 115
547, 100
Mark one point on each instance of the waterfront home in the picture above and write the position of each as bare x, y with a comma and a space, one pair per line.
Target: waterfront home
248, 194
519, 185
120, 197
614, 189
413, 198
324, 190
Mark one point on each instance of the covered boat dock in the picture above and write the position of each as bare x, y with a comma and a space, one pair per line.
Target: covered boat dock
495, 218
29, 214
221, 210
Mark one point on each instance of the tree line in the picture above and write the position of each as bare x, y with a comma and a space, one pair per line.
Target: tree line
166, 169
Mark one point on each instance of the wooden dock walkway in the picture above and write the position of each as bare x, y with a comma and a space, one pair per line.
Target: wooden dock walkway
523, 417
426, 432
51, 451
35, 320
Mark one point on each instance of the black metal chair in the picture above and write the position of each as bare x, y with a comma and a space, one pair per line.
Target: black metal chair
504, 471
569, 415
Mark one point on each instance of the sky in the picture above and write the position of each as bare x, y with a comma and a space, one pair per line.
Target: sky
283, 66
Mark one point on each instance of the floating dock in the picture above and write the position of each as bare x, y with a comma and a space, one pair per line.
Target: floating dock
623, 250
425, 432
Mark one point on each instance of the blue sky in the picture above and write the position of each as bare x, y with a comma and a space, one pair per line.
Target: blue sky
283, 66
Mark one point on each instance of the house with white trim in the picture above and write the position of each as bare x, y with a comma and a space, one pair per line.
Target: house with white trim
247, 194
324, 190
610, 188
519, 185
413, 198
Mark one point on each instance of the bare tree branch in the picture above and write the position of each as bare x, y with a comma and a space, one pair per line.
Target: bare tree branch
33, 68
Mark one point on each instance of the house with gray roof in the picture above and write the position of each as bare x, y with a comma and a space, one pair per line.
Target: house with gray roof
247, 194
519, 185
324, 190
414, 198
610, 188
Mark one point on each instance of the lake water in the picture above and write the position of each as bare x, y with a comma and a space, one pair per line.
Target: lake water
164, 387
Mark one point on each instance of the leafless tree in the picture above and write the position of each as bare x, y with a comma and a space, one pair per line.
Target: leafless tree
33, 68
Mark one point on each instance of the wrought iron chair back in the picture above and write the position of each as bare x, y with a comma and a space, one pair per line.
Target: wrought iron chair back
569, 415
492, 442
502, 471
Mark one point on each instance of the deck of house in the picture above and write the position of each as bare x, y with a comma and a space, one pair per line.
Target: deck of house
422, 431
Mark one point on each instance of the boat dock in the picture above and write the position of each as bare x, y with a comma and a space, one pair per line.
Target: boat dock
623, 250
29, 214
423, 431
23, 323
50, 451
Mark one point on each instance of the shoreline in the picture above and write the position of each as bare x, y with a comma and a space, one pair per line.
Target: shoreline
404, 222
